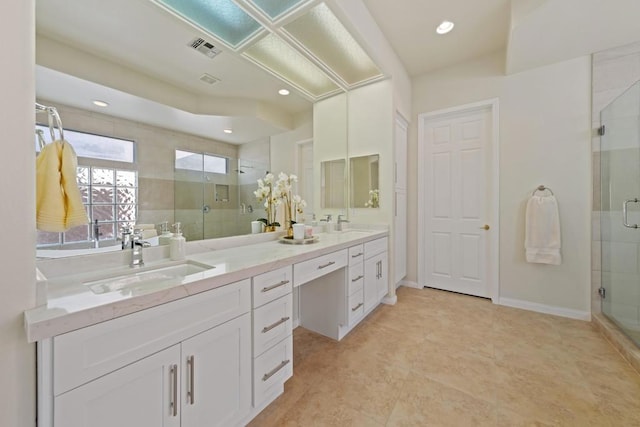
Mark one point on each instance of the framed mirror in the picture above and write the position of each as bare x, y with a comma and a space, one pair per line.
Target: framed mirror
333, 184
364, 186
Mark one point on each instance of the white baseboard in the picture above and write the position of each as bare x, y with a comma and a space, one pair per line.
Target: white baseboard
547, 309
410, 284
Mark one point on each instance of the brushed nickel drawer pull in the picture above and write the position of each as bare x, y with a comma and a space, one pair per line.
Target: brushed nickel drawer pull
191, 363
275, 370
326, 265
357, 278
173, 402
357, 306
357, 255
278, 323
277, 285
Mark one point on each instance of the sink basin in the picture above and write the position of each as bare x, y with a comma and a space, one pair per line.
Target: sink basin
147, 279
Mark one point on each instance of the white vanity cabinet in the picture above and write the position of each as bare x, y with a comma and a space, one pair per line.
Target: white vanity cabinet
376, 276
185, 363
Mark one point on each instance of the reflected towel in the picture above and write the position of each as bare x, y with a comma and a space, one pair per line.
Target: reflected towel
58, 202
542, 230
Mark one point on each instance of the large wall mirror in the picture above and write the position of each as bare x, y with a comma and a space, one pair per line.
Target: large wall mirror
364, 188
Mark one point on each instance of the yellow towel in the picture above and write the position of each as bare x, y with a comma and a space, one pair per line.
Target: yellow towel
58, 202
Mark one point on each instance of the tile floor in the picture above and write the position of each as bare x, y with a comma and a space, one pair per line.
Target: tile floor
443, 359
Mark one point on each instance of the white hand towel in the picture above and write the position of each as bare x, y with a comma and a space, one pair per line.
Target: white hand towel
542, 230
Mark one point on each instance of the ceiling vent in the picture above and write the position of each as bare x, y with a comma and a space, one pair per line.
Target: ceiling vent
204, 47
208, 78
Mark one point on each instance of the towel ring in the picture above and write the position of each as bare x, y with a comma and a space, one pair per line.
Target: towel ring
542, 188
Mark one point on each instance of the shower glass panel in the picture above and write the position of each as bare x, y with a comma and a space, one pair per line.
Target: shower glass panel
214, 195
620, 211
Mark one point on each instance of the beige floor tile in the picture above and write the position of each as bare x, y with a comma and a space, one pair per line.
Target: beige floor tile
424, 402
439, 358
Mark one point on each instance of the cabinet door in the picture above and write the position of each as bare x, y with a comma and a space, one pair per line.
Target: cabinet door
139, 395
400, 139
400, 238
216, 380
371, 273
382, 284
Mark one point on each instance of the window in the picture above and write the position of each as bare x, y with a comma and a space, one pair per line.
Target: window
201, 162
110, 194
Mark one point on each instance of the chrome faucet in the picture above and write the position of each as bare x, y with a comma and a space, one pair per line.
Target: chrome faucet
136, 249
340, 221
327, 219
96, 234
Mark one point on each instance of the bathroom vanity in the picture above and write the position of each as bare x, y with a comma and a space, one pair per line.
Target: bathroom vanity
206, 341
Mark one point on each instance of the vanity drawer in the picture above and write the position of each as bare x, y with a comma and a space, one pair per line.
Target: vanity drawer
82, 355
272, 285
272, 323
271, 370
356, 254
356, 278
306, 271
356, 307
375, 247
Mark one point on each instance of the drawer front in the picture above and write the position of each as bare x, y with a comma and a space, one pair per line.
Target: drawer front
85, 354
306, 271
375, 247
356, 254
272, 285
356, 307
356, 278
271, 370
272, 323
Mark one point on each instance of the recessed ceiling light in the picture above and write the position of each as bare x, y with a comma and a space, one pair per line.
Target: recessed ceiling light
283, 92
100, 103
228, 131
445, 27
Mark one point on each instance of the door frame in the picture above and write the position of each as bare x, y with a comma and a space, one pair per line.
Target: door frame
493, 256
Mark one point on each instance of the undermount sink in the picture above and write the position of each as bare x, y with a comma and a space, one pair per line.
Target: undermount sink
145, 279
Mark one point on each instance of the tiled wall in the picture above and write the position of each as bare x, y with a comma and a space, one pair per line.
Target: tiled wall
614, 71
155, 156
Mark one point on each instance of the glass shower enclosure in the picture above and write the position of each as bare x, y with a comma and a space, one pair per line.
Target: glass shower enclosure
620, 211
213, 195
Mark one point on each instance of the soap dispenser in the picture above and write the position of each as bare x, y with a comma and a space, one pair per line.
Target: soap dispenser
177, 244
165, 234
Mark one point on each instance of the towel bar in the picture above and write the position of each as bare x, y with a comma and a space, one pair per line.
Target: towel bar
542, 188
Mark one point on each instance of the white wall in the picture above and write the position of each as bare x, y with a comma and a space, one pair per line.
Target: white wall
17, 173
544, 139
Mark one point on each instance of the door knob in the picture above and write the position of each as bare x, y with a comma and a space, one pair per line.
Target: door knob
485, 227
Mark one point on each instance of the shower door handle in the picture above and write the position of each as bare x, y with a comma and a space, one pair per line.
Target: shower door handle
624, 213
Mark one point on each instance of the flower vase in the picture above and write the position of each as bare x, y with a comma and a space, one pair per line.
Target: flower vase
287, 223
269, 228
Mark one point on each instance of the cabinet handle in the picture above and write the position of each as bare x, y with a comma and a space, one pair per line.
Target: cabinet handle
357, 255
277, 285
173, 384
275, 370
326, 265
191, 363
357, 278
357, 306
278, 323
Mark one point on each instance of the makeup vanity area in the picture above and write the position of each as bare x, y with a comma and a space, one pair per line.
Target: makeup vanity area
209, 346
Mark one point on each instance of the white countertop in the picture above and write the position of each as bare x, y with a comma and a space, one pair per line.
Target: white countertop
71, 305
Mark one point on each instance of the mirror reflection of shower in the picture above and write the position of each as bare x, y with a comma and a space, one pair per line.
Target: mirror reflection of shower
214, 194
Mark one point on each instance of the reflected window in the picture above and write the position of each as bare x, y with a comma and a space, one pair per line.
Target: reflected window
201, 162
109, 192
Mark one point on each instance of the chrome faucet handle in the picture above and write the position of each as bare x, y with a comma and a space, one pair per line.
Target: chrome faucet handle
327, 219
341, 219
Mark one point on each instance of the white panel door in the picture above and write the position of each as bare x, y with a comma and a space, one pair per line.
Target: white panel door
138, 395
216, 375
457, 156
400, 237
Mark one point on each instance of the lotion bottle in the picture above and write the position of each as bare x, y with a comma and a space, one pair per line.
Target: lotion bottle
177, 244
165, 234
